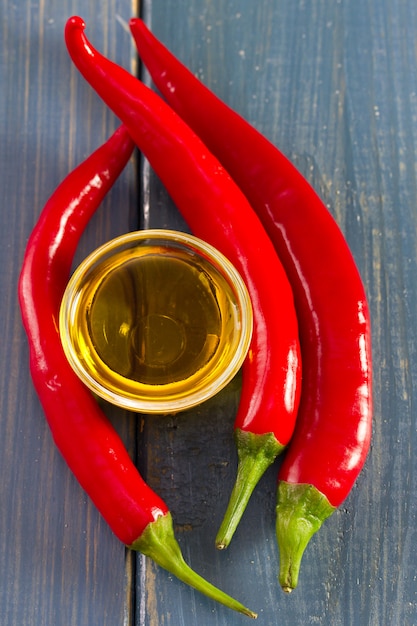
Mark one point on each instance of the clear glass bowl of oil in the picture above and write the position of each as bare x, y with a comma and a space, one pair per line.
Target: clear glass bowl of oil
156, 321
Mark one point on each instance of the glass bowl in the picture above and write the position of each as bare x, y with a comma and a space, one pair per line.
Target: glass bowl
156, 321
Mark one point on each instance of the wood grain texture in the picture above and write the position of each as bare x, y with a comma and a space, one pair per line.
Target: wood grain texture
60, 564
333, 84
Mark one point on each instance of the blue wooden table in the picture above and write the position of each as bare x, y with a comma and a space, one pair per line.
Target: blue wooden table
333, 83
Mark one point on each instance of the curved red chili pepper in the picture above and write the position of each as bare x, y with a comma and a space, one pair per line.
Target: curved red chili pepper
333, 430
85, 437
216, 210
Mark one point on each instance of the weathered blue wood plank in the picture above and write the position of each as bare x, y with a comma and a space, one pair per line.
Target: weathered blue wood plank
333, 85
59, 562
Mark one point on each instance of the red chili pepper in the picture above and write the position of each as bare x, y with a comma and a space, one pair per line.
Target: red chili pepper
85, 437
333, 430
216, 210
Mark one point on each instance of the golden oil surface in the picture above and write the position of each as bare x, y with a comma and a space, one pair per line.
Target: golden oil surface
152, 321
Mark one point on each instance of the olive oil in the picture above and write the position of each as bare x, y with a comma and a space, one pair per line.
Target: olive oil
153, 321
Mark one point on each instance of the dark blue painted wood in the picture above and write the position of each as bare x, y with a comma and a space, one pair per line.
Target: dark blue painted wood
333, 84
59, 562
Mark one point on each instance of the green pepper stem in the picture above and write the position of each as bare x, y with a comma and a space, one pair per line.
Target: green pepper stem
301, 510
255, 454
158, 542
